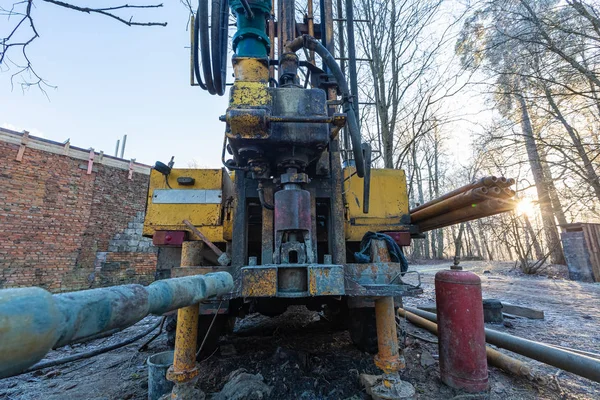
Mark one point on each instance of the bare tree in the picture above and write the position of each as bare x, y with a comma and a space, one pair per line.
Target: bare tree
22, 31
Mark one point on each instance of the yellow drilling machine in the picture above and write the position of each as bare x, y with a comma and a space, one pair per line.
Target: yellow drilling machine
296, 196
296, 215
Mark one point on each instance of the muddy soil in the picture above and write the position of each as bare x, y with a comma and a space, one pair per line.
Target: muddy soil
302, 355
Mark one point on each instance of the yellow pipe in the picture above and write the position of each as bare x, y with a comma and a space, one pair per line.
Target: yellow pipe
184, 361
186, 336
387, 358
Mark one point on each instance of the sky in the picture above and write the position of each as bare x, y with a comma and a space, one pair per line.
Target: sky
113, 80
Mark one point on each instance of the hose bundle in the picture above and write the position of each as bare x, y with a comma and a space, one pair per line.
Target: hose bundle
213, 45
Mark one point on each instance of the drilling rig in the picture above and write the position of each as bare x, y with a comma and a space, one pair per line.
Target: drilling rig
297, 195
296, 215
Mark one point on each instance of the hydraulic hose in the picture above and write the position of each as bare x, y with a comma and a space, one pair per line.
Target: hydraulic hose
196, 59
219, 28
311, 43
213, 45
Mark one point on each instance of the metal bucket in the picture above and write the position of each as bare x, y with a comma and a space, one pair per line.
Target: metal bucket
158, 385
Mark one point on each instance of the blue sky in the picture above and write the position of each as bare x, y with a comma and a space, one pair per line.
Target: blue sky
113, 80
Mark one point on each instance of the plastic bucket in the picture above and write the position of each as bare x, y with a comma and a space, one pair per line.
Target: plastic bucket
158, 385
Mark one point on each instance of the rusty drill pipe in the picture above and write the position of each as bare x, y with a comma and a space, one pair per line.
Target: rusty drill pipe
429, 227
494, 357
485, 209
472, 196
494, 191
507, 193
486, 181
486, 206
33, 321
575, 363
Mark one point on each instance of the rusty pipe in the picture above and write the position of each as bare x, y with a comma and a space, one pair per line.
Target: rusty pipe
467, 198
33, 321
486, 206
507, 193
481, 210
494, 357
494, 191
485, 181
575, 363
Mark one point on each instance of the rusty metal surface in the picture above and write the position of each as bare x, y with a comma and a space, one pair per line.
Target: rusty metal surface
184, 360
267, 227
337, 231
259, 281
293, 280
389, 358
326, 280
33, 321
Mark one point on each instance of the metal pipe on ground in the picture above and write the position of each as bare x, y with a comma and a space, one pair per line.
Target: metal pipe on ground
34, 321
486, 181
575, 363
494, 357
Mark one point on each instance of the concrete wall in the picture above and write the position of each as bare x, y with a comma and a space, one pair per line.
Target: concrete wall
64, 229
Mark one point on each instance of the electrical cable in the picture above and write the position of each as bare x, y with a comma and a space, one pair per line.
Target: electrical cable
92, 353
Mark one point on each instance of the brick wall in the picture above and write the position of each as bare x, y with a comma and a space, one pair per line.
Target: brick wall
63, 229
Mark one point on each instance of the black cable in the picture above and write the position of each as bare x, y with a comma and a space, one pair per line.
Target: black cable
89, 354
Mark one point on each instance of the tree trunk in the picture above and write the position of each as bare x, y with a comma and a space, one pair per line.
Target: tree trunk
534, 241
458, 241
550, 229
475, 242
591, 174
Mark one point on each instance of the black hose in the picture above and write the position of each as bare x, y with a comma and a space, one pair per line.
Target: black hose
311, 43
205, 45
89, 354
261, 197
219, 30
195, 57
213, 45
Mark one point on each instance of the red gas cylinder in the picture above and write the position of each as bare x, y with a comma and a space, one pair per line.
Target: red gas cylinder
463, 361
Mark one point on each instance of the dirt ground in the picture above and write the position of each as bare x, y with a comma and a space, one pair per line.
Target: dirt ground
301, 355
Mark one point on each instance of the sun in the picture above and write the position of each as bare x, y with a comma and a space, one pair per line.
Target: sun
526, 207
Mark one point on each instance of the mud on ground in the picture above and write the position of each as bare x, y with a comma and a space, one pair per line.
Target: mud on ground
301, 355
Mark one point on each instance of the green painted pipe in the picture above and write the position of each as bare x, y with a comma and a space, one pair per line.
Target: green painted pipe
33, 321
251, 39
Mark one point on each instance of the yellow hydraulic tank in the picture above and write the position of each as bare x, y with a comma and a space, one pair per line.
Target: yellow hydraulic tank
201, 196
388, 203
